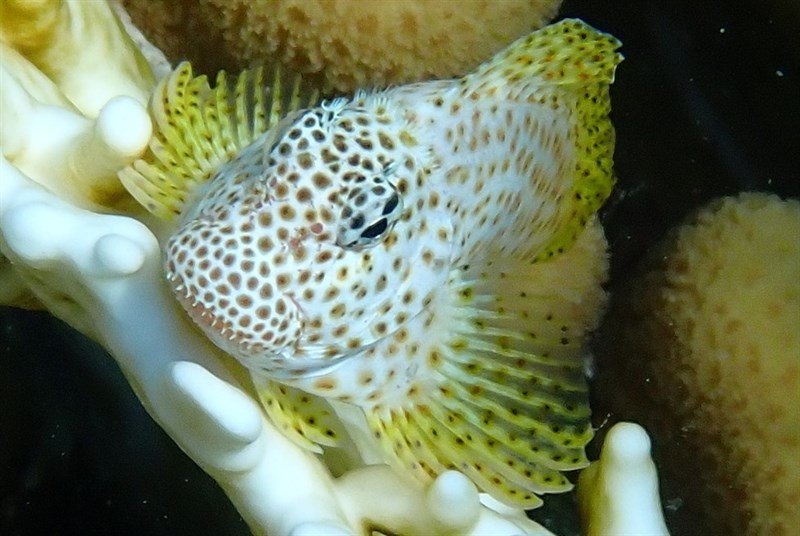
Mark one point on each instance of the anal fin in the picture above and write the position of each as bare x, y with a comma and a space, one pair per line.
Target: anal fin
305, 418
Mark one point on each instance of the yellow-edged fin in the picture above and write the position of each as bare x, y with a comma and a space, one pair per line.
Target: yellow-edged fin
197, 128
506, 402
568, 66
306, 419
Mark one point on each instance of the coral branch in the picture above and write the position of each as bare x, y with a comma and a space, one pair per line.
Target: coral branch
619, 493
81, 47
52, 142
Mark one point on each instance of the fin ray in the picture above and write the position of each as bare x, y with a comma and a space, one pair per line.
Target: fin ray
510, 457
569, 52
197, 128
492, 405
399, 434
465, 450
567, 411
305, 418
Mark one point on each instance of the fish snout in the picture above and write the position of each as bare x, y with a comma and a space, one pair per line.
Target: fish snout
233, 298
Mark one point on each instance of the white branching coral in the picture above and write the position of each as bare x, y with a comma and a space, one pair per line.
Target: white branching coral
70, 78
618, 494
73, 92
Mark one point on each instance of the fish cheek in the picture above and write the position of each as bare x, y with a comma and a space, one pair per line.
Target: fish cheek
232, 293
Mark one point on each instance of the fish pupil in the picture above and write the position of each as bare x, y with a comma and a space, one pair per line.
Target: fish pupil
391, 204
376, 229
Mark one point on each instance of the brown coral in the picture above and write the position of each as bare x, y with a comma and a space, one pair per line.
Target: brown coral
353, 43
705, 349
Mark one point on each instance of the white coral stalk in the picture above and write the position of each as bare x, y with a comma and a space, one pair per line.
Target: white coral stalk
48, 138
73, 88
71, 42
618, 494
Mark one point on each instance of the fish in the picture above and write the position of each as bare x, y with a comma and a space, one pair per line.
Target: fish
376, 250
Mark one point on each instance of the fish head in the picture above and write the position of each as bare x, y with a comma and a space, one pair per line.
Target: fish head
314, 243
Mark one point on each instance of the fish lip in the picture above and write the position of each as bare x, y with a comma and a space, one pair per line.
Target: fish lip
206, 320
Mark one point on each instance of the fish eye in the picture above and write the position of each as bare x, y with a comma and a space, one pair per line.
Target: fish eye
370, 211
375, 230
391, 204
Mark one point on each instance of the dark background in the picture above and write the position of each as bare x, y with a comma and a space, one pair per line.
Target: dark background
707, 103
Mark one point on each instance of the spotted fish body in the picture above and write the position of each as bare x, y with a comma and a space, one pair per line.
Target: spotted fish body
377, 250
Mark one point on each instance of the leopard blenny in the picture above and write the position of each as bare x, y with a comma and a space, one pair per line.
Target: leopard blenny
375, 249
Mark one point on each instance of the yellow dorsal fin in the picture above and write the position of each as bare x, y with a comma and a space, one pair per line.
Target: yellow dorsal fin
585, 75
569, 52
566, 66
198, 127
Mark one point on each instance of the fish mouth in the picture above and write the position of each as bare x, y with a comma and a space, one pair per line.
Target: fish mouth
205, 318
211, 323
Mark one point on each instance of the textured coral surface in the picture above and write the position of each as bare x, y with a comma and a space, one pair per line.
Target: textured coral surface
709, 335
355, 43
